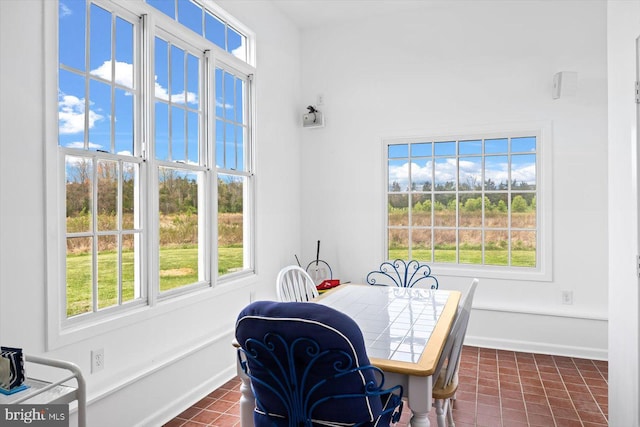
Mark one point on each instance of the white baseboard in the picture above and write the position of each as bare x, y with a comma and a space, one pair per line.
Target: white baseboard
185, 401
537, 347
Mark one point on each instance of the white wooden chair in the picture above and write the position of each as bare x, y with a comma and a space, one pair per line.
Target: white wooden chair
295, 284
446, 384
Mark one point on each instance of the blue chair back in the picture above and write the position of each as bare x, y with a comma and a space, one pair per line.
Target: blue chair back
403, 274
308, 366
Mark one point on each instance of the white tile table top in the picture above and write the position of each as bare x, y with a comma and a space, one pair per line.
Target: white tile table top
396, 322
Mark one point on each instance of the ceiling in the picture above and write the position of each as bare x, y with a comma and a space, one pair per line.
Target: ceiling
307, 14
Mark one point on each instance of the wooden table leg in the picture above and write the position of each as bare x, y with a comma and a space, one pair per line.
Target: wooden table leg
247, 400
419, 399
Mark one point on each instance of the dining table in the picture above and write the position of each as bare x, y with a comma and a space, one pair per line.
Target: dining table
404, 330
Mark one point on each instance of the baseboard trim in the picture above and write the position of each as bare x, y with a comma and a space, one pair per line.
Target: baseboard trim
536, 347
167, 413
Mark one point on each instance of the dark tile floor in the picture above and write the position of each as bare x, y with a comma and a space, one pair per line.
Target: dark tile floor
497, 389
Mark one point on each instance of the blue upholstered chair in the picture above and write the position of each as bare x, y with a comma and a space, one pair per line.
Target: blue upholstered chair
308, 367
403, 274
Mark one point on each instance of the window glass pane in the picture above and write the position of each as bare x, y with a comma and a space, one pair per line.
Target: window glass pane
130, 218
498, 146
496, 245
470, 173
231, 191
71, 109
445, 174
421, 245
178, 220
398, 243
525, 144
240, 148
192, 140
523, 248
162, 131
219, 93
161, 69
214, 30
444, 209
193, 81
523, 210
398, 175
79, 194
421, 209
236, 44
123, 122
496, 210
444, 242
107, 176
229, 91
100, 42
523, 172
130, 284
422, 149
470, 147
190, 15
240, 101
165, 6
470, 210
72, 18
124, 53
421, 174
398, 151
398, 209
230, 146
79, 275
470, 245
178, 142
447, 148
220, 158
107, 271
100, 101
496, 173
177, 75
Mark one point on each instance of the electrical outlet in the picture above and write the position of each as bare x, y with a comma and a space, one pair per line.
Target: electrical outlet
320, 100
567, 297
97, 360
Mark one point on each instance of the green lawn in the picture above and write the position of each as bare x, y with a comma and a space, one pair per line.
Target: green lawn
519, 258
178, 267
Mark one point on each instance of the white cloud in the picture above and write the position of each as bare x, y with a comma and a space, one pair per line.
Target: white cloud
123, 72
178, 98
64, 10
80, 144
71, 114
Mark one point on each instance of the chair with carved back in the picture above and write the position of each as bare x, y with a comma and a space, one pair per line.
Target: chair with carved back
404, 274
446, 377
308, 368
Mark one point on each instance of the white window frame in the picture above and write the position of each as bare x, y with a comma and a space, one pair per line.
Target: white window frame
544, 220
62, 330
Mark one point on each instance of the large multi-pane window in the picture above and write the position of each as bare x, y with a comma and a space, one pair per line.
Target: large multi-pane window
144, 162
464, 201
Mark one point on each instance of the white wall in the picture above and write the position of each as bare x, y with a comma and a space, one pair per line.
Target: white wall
447, 68
179, 351
623, 19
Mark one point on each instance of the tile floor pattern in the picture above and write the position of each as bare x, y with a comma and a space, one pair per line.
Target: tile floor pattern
497, 389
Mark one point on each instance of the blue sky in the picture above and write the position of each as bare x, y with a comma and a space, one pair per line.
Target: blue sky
177, 86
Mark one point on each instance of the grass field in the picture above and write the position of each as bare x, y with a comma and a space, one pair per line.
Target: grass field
178, 267
519, 258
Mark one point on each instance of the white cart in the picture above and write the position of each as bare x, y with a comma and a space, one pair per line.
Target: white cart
44, 392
